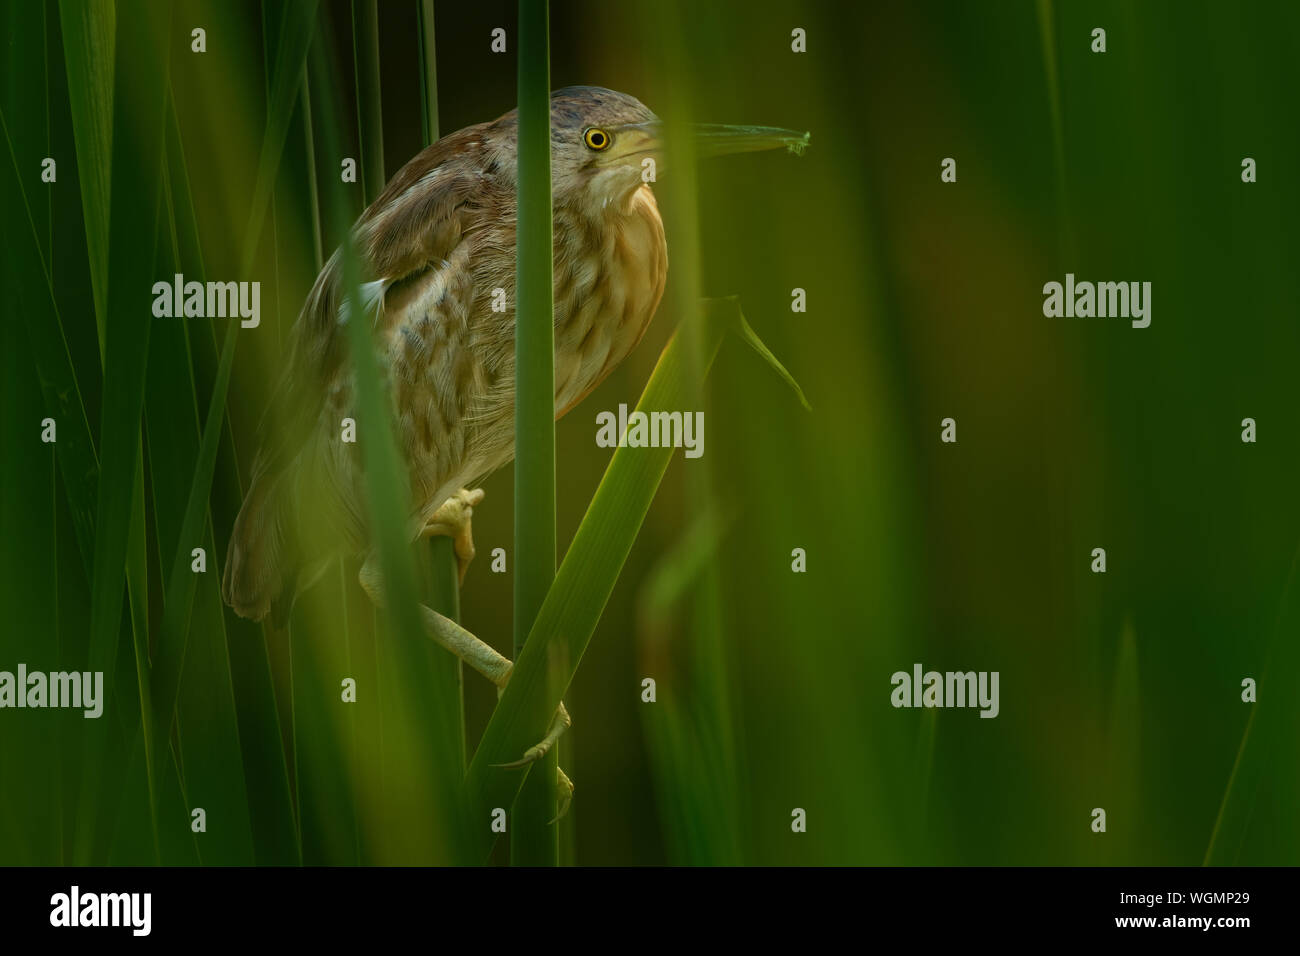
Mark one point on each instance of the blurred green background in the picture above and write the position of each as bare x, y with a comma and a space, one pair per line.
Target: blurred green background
1119, 691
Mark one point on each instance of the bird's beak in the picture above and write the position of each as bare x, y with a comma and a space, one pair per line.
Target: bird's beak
709, 139
716, 139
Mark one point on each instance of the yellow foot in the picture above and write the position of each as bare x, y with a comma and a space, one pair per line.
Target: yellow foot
563, 794
559, 725
453, 520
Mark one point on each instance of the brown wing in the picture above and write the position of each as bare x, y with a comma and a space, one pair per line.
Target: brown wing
414, 224
417, 221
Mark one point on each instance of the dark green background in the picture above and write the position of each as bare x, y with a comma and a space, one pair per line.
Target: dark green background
1119, 691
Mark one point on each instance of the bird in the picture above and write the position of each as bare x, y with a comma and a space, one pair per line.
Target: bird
437, 256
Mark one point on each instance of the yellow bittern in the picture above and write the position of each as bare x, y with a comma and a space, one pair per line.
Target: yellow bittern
437, 250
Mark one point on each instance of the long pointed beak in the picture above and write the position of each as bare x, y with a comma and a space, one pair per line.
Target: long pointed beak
708, 139
717, 139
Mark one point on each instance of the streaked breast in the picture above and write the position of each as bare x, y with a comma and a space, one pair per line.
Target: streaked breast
609, 278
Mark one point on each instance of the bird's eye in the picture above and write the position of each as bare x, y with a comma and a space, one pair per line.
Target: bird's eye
596, 139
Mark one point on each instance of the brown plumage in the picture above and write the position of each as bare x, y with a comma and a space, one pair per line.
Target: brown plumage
433, 247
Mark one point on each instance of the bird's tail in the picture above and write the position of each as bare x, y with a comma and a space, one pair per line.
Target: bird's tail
258, 579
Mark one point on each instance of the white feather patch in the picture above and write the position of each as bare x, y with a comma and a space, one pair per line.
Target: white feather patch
372, 297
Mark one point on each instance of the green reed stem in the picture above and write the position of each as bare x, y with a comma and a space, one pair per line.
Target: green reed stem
533, 838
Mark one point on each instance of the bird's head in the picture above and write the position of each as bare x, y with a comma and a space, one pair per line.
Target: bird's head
605, 145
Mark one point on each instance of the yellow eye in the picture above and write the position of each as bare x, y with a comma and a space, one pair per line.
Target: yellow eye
596, 139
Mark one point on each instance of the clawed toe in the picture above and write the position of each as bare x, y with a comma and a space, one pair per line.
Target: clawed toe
453, 519
559, 725
563, 795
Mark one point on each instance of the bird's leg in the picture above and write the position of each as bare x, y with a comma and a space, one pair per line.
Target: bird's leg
480, 655
485, 659
453, 519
